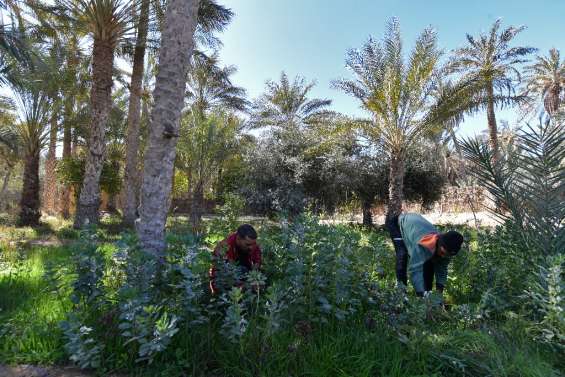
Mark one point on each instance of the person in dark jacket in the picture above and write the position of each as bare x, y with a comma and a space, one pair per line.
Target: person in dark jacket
422, 251
240, 248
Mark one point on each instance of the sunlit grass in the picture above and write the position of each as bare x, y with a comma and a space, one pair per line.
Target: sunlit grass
31, 307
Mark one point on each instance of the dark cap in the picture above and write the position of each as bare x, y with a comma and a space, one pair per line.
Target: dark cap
452, 241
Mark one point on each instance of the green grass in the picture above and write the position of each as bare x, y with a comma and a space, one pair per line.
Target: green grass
34, 298
30, 308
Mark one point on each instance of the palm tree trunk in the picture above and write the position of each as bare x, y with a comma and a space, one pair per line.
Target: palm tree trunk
396, 184
67, 132
176, 48
50, 182
101, 101
491, 118
131, 179
112, 206
197, 207
5, 182
367, 214
67, 153
29, 201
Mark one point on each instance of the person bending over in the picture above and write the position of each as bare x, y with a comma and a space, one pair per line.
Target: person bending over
421, 251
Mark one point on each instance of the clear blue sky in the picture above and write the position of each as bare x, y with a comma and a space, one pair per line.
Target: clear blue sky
311, 37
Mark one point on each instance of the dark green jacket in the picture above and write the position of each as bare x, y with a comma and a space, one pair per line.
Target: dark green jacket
412, 228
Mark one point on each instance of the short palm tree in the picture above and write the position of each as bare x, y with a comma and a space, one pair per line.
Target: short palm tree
286, 105
398, 93
488, 69
32, 130
546, 77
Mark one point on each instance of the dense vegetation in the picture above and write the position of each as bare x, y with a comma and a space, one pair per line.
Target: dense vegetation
128, 291
327, 304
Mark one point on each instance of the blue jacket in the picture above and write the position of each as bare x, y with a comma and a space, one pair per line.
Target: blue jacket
412, 228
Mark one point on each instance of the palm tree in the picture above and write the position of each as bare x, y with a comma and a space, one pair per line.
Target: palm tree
205, 144
54, 83
32, 131
210, 86
546, 77
398, 94
131, 182
286, 105
205, 138
488, 66
177, 44
212, 18
107, 22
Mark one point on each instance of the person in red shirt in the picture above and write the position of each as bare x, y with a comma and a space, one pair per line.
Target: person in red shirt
239, 248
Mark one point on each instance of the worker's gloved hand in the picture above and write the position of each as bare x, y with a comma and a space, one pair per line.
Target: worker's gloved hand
427, 294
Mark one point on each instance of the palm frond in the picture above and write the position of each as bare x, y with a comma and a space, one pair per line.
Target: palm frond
529, 185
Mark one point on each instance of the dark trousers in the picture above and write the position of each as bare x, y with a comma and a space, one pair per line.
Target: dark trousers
391, 225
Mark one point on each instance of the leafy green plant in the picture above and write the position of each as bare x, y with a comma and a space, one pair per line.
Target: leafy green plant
546, 296
82, 347
228, 214
235, 324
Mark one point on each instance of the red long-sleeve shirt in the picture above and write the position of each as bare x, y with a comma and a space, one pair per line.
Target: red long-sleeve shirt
251, 260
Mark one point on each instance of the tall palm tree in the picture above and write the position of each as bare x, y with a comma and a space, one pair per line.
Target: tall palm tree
212, 18
398, 93
63, 25
205, 138
54, 84
286, 105
488, 65
71, 89
131, 182
107, 21
177, 45
546, 77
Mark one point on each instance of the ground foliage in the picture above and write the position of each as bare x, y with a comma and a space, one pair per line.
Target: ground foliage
326, 304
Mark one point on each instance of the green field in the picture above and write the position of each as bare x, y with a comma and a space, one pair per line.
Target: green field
329, 307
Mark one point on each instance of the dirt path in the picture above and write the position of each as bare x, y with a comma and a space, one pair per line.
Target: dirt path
462, 218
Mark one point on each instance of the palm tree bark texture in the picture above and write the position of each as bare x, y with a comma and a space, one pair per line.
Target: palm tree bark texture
72, 62
89, 199
29, 201
177, 45
131, 179
396, 186
50, 185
